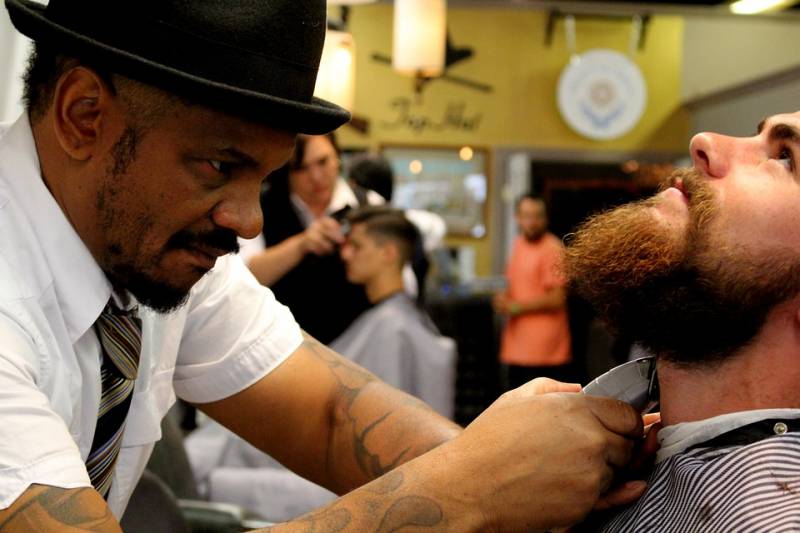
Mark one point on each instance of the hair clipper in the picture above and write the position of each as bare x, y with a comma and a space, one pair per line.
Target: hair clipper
634, 382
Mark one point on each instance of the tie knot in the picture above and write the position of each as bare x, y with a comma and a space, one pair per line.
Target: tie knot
120, 334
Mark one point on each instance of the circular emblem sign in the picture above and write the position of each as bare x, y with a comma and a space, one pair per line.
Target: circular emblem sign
601, 94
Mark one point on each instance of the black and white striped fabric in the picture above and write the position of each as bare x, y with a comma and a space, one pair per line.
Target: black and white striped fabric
120, 334
725, 485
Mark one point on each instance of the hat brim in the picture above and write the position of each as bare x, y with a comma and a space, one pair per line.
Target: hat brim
316, 117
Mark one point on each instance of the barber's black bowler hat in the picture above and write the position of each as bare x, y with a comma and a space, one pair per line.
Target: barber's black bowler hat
255, 58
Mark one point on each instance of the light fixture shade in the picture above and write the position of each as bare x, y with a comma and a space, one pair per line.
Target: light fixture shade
336, 78
750, 7
419, 37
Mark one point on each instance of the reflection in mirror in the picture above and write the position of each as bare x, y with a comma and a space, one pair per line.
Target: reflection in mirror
452, 182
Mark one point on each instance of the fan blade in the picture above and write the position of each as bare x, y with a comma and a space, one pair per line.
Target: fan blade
382, 58
360, 124
472, 84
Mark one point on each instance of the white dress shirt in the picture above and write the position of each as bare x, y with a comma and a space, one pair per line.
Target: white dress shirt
231, 333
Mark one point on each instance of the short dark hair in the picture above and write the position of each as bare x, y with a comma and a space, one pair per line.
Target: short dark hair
300, 143
375, 173
45, 66
530, 196
145, 103
385, 223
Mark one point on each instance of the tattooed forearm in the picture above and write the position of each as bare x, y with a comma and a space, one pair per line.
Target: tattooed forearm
351, 383
411, 511
385, 485
326, 521
370, 463
374, 507
45, 508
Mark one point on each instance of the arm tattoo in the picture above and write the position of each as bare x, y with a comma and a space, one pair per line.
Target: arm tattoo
410, 511
53, 506
326, 521
370, 463
386, 484
392, 516
351, 382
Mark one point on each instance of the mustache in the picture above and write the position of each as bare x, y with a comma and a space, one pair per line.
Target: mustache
218, 238
691, 179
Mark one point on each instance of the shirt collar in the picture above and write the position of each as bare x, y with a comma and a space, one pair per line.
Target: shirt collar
676, 438
342, 196
82, 289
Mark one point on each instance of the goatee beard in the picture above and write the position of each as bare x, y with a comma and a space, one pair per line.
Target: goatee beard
533, 237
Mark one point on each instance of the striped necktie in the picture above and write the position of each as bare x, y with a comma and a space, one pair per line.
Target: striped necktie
120, 335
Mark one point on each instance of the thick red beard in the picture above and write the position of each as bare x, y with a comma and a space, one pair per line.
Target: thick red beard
687, 296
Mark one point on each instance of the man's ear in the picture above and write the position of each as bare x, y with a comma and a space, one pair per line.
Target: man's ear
390, 252
80, 103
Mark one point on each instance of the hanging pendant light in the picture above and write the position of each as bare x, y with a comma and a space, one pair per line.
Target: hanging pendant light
419, 37
336, 78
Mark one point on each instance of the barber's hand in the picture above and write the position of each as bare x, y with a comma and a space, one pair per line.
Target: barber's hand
543, 458
630, 482
322, 236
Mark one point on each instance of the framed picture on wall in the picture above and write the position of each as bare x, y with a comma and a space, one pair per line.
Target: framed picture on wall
450, 181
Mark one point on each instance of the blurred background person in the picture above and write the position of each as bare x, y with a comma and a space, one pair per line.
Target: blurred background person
296, 254
375, 173
395, 339
535, 340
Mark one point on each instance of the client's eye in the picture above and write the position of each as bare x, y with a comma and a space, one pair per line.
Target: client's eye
786, 158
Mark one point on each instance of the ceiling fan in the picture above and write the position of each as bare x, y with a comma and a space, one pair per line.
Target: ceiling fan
453, 55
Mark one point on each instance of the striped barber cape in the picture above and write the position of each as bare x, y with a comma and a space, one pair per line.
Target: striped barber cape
744, 480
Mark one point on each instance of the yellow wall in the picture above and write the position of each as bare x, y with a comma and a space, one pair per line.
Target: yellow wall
510, 54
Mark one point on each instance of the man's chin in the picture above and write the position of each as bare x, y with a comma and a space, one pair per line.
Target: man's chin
163, 303
158, 295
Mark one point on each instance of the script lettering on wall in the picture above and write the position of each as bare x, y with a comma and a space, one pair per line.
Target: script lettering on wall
455, 117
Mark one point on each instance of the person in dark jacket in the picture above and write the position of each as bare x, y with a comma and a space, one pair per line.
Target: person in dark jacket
303, 207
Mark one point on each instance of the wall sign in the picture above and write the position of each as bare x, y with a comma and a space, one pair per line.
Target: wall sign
601, 94
454, 117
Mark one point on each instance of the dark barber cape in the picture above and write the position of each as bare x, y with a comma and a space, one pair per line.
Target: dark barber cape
317, 292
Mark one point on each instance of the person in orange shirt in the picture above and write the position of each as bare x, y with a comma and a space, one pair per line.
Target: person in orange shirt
535, 340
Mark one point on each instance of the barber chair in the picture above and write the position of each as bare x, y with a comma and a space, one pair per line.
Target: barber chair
166, 498
153, 508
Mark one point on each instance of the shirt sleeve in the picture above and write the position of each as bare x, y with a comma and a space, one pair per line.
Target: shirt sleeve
35, 444
251, 247
431, 226
236, 332
552, 271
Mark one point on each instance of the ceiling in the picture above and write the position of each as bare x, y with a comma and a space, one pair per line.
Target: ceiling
684, 7
673, 2
716, 4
